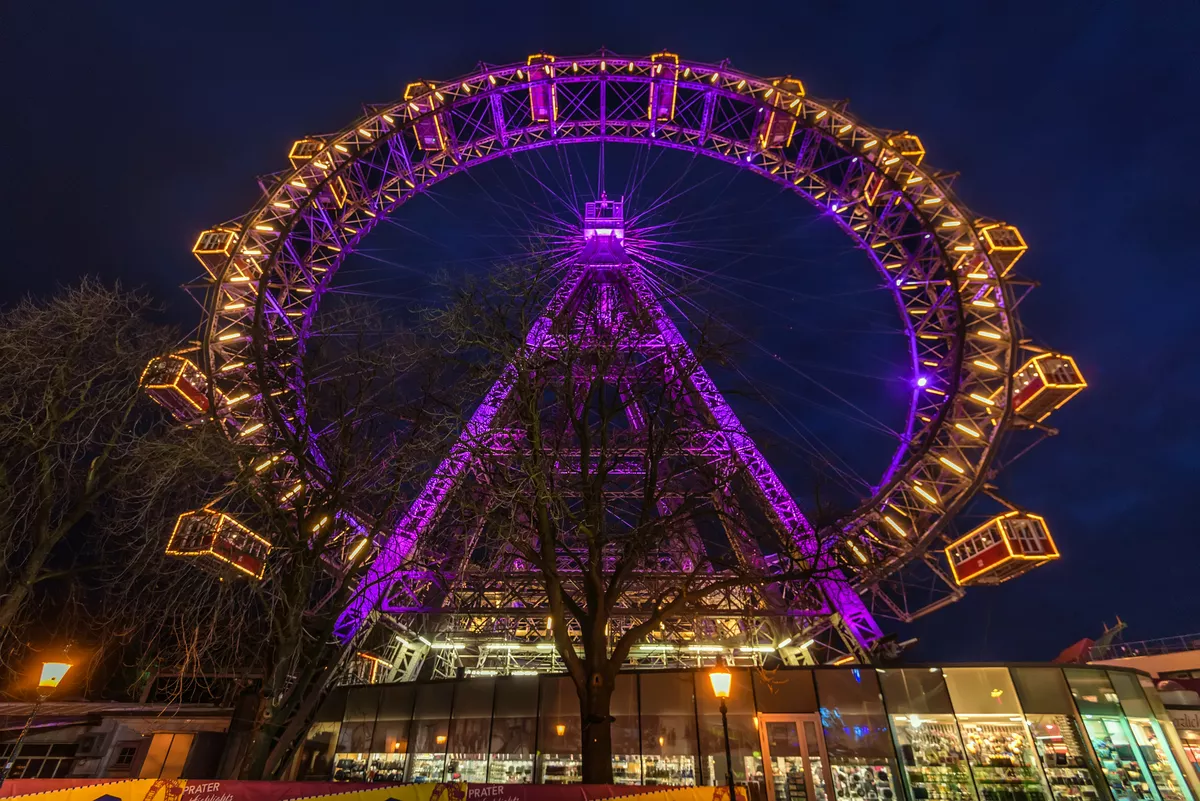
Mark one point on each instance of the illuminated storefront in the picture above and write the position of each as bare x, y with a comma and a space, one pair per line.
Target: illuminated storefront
980, 733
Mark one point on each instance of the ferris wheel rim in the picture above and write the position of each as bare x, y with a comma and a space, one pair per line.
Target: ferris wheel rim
392, 122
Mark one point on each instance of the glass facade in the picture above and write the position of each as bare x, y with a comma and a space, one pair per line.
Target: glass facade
988, 733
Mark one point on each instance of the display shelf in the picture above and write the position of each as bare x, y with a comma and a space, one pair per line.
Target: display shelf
428, 768
1067, 783
1122, 771
627, 769
350, 768
940, 782
466, 768
1063, 757
1003, 760
561, 769
861, 780
934, 762
677, 771
1156, 760
510, 769
386, 768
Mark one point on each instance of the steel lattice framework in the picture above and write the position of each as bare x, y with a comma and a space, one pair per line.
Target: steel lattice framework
949, 271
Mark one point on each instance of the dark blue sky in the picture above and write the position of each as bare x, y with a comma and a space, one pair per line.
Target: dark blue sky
128, 127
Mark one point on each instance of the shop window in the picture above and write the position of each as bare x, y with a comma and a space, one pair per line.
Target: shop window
124, 758
744, 744
1166, 727
626, 732
998, 742
40, 760
470, 730
926, 734
1148, 738
784, 692
430, 732
514, 731
354, 737
858, 740
669, 746
1121, 761
389, 741
559, 737
1067, 762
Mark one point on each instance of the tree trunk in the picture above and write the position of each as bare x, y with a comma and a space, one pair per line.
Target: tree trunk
595, 701
262, 739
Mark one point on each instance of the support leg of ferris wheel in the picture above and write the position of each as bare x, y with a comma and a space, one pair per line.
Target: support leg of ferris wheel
854, 622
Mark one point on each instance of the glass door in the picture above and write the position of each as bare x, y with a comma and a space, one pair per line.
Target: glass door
794, 759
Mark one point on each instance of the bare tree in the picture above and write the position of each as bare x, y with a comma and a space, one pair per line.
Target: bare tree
341, 480
602, 495
72, 427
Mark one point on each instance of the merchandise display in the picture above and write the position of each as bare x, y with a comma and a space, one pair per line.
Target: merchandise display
714, 773
677, 771
467, 767
861, 780
428, 768
933, 758
627, 769
788, 775
350, 768
386, 768
1154, 754
561, 769
1064, 758
510, 769
1001, 756
1118, 759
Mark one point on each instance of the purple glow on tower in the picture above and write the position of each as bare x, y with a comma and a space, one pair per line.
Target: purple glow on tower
726, 441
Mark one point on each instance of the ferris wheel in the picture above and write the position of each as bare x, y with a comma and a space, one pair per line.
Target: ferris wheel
972, 379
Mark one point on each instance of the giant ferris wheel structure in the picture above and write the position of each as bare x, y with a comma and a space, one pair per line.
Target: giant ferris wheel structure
975, 380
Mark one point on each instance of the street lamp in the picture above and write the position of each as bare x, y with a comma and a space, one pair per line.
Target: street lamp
52, 676
721, 680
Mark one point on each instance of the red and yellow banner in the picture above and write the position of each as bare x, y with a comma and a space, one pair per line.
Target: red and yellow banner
214, 790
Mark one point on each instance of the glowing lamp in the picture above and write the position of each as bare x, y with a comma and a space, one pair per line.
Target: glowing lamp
560, 729
922, 381
440, 739
721, 680
53, 673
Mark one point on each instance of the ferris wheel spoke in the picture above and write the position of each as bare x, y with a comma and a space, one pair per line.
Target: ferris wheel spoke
707, 280
869, 418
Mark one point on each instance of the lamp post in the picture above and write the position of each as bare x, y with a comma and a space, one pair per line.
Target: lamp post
721, 680
52, 675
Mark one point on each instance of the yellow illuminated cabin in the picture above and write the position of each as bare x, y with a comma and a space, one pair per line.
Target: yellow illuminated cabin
304, 150
213, 248
907, 145
421, 97
664, 84
777, 123
1043, 384
543, 101
1002, 548
205, 532
1004, 244
178, 385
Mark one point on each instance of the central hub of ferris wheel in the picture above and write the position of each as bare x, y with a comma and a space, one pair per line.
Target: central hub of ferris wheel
975, 380
604, 232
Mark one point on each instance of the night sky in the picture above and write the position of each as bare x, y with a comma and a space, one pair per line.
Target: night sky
130, 127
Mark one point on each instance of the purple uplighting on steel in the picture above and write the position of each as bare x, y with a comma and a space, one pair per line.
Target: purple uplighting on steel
728, 441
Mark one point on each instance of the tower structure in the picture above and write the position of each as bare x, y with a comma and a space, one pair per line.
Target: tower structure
606, 330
